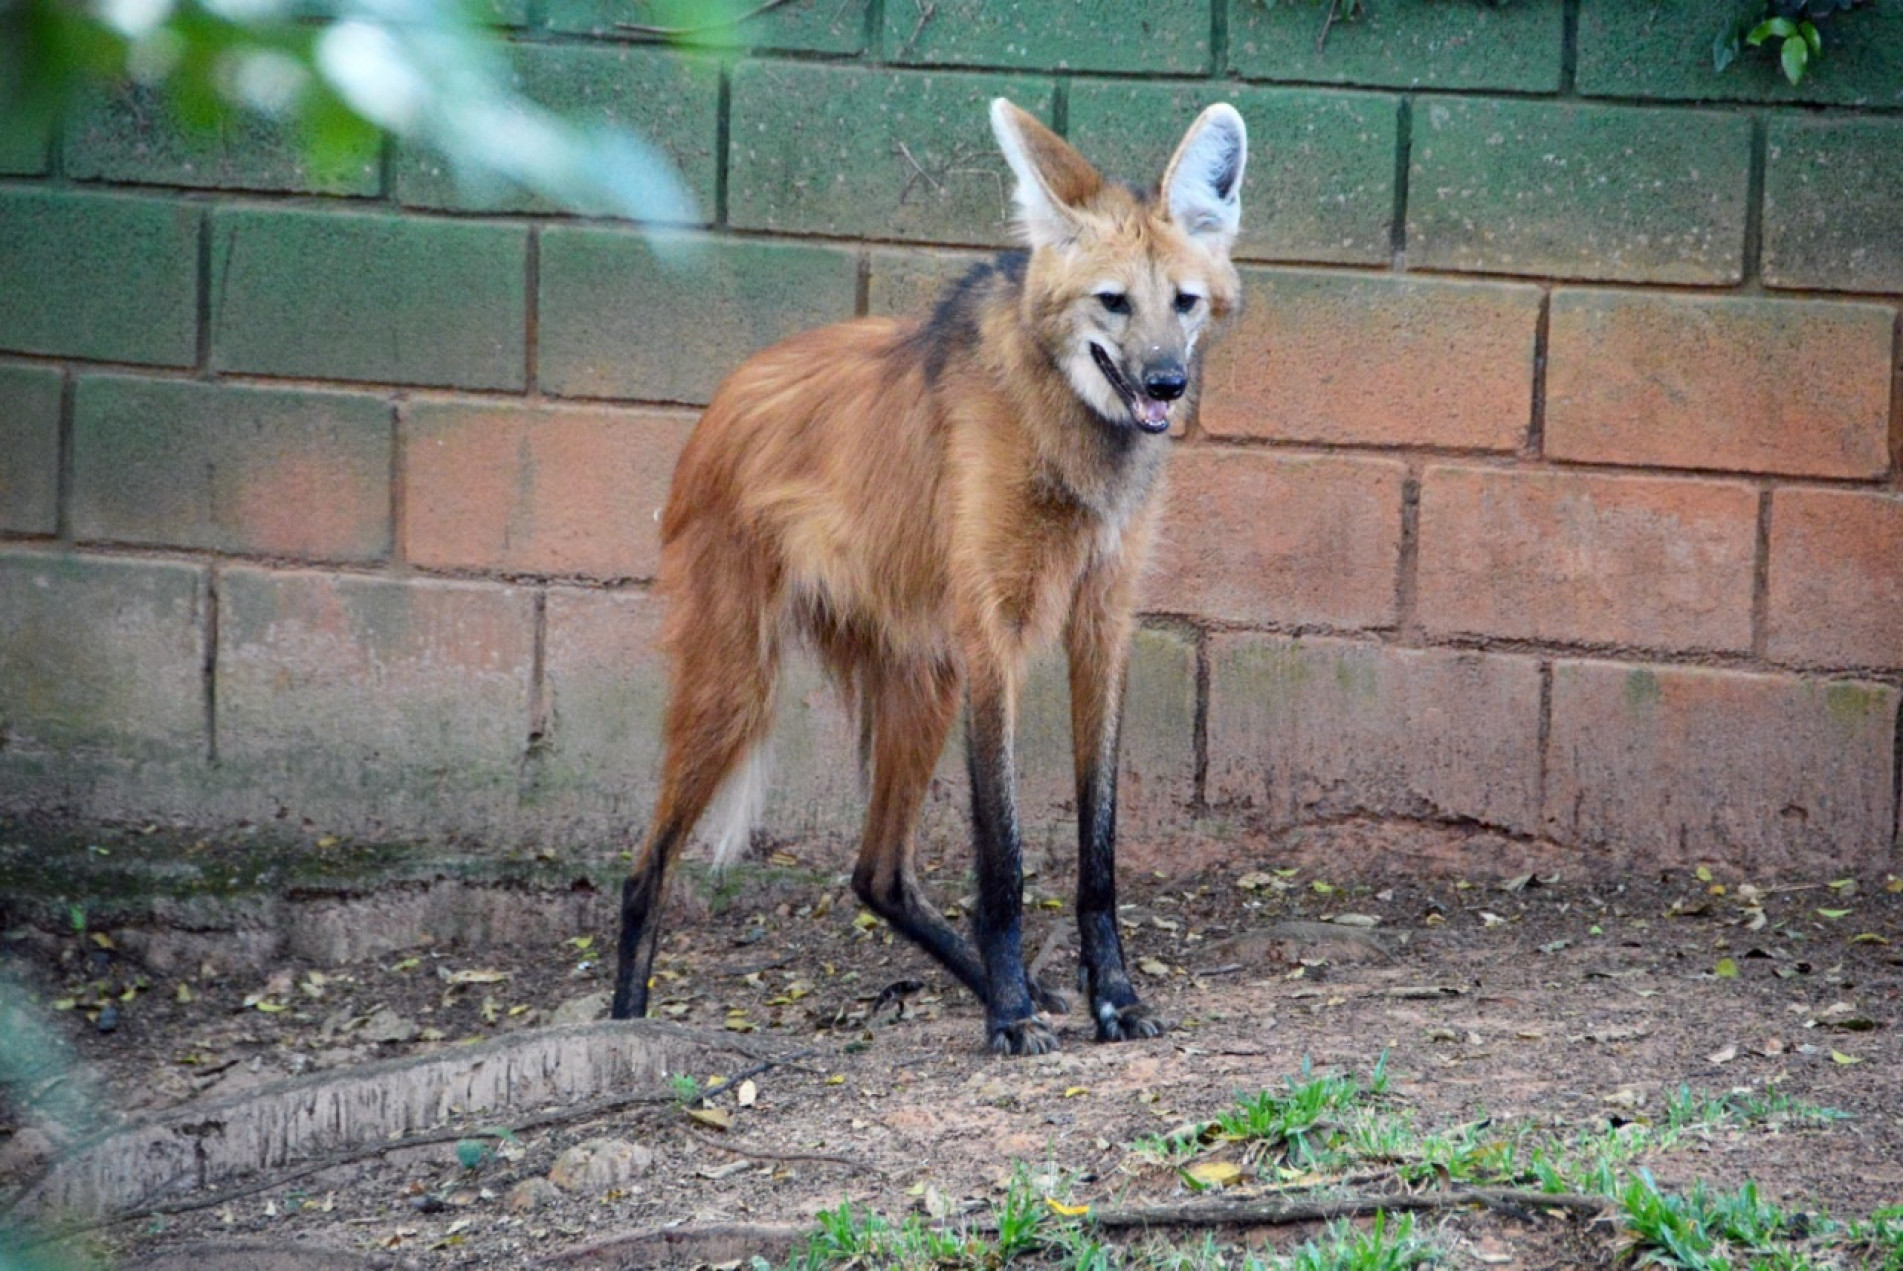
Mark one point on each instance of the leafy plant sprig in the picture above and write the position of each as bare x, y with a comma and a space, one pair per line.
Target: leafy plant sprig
1788, 26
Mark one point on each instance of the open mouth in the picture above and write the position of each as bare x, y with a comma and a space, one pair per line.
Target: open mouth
1146, 412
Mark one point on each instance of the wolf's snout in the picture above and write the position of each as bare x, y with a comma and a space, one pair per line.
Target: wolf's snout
1165, 383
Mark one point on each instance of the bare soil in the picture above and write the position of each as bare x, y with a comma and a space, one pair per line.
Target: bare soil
1573, 1002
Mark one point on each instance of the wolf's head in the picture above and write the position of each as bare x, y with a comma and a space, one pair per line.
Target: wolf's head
1121, 285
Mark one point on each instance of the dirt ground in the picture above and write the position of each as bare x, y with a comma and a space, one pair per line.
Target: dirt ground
1575, 1003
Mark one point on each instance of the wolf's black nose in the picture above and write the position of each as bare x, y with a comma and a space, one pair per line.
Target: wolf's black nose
1165, 385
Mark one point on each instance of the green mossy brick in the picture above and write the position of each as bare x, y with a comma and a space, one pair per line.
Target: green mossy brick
662, 97
26, 145
387, 299
605, 687
102, 655
134, 135
1515, 46
1566, 191
275, 471
1156, 769
1301, 729
812, 26
26, 119
99, 276
1663, 49
618, 320
861, 152
909, 280
1319, 185
29, 449
363, 698
1833, 204
1158, 37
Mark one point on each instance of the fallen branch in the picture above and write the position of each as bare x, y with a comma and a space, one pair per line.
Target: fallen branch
754, 1154
1277, 1212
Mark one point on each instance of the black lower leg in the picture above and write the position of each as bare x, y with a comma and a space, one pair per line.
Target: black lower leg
906, 910
1113, 1001
641, 897
1010, 1017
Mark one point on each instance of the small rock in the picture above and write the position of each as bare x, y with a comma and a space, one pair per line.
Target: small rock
385, 1025
599, 1164
580, 1010
26, 1151
529, 1195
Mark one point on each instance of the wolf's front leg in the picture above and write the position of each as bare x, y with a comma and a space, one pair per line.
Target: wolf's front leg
1011, 1023
1098, 642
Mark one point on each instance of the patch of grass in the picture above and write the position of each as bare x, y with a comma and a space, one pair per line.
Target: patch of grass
1878, 1239
1703, 1230
1301, 1123
1314, 1132
1688, 1111
1386, 1244
852, 1238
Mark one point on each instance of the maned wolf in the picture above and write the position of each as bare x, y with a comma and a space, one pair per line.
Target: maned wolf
927, 501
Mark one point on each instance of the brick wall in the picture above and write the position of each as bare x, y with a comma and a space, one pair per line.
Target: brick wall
1551, 483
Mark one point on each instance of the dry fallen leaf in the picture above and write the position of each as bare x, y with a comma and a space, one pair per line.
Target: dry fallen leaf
1723, 1055
747, 1093
1216, 1173
718, 1118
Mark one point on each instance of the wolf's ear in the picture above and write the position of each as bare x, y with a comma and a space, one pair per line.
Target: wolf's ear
1202, 187
1053, 179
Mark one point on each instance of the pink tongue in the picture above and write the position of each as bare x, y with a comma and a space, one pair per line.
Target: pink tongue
1152, 411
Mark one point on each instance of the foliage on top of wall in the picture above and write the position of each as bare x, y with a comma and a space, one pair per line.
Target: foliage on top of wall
1789, 28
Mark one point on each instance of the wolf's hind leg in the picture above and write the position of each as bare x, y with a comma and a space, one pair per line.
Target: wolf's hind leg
910, 709
719, 714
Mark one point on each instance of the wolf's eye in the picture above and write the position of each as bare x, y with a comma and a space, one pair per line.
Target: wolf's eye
1186, 301
1114, 301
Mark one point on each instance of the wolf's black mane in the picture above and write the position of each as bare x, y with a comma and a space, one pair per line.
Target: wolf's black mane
953, 324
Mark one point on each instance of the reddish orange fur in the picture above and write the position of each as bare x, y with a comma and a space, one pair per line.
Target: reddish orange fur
924, 501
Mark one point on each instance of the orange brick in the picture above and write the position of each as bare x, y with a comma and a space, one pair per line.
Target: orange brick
1376, 361
1578, 558
1264, 539
1767, 774
372, 704
1745, 385
540, 489
1836, 578
274, 471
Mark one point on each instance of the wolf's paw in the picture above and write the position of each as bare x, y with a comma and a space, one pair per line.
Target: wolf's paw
1023, 1037
1128, 1023
1047, 999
